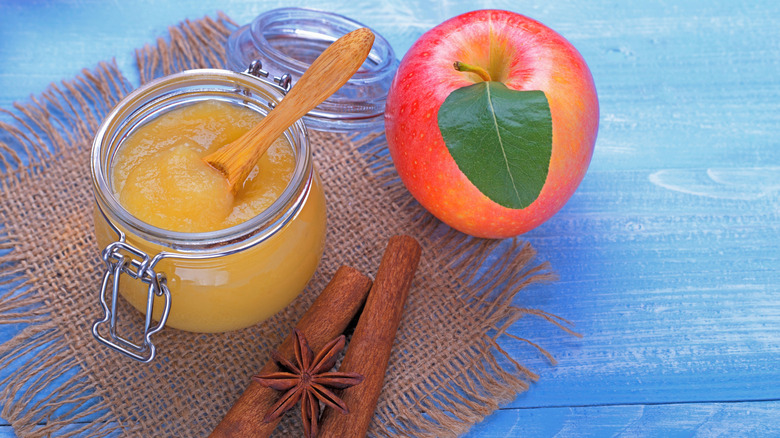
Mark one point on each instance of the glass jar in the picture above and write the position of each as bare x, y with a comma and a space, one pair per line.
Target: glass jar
288, 40
212, 281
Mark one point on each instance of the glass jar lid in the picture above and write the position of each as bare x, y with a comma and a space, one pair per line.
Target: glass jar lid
288, 40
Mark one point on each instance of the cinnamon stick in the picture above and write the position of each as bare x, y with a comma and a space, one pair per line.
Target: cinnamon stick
327, 318
369, 350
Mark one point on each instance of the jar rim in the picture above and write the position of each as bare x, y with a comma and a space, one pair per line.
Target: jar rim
382, 53
304, 33
145, 103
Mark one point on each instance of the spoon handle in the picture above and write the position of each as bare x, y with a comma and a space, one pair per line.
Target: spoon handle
325, 76
332, 69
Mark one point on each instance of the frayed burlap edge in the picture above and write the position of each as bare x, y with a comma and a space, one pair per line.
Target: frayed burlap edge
54, 126
464, 388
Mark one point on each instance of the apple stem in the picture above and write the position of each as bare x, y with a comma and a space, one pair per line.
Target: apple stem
479, 71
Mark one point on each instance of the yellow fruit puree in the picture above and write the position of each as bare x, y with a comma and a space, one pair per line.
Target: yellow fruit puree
158, 176
160, 165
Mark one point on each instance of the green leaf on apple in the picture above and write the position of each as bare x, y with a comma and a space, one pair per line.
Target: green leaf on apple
500, 138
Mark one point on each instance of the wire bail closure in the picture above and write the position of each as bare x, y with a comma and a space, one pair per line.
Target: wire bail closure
122, 258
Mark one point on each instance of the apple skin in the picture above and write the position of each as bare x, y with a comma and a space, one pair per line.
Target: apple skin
524, 55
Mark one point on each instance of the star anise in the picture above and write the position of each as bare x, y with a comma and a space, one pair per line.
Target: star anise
308, 381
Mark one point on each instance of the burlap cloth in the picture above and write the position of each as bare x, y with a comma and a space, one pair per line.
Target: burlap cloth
446, 372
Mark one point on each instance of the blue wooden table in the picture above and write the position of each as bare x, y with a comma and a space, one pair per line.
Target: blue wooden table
668, 254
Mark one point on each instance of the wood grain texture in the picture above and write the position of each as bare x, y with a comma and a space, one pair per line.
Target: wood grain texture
667, 254
750, 419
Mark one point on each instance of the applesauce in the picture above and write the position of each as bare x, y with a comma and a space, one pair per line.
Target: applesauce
179, 248
161, 164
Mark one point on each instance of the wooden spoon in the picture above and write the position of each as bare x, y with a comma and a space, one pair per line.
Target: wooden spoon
325, 76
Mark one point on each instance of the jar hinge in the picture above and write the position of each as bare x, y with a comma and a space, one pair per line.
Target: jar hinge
122, 258
284, 82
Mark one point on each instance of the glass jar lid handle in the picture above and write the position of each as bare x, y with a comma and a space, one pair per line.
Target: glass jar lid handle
122, 258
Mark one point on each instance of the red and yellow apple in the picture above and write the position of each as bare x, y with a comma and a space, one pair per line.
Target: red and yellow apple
521, 53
